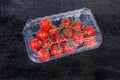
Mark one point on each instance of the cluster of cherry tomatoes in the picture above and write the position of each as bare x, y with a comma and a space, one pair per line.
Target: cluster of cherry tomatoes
55, 40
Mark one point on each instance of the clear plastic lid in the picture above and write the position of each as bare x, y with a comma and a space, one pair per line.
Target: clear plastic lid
74, 44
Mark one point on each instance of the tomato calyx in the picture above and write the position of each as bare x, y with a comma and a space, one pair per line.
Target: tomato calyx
39, 43
58, 47
70, 45
47, 51
68, 32
77, 32
50, 24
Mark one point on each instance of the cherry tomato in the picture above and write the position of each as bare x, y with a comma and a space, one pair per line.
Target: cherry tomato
43, 54
41, 34
57, 38
88, 31
56, 50
77, 25
68, 33
66, 22
35, 43
46, 42
53, 30
45, 24
68, 47
78, 37
89, 41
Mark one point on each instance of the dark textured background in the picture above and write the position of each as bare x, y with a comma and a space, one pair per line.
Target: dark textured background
99, 64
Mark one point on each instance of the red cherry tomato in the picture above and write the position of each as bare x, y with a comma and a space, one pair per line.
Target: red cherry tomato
41, 34
46, 42
78, 37
90, 41
77, 25
88, 31
57, 38
43, 54
45, 24
68, 47
53, 30
35, 43
68, 33
66, 22
56, 50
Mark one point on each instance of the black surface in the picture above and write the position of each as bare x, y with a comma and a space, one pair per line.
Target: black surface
99, 64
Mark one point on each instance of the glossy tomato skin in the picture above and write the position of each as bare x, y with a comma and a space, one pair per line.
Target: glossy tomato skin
41, 34
45, 24
77, 25
78, 37
68, 47
53, 30
43, 54
68, 33
57, 38
56, 50
35, 43
66, 22
89, 41
46, 42
88, 31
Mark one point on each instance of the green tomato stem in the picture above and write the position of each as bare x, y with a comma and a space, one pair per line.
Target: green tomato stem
69, 27
50, 24
59, 28
57, 42
68, 32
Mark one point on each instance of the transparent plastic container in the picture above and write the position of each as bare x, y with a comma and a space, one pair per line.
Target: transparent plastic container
83, 15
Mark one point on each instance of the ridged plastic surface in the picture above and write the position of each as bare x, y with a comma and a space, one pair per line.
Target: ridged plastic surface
83, 15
